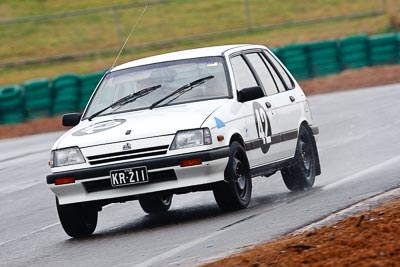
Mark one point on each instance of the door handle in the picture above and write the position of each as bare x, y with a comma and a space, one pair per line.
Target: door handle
292, 99
268, 104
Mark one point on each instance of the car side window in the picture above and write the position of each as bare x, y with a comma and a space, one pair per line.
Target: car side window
263, 72
278, 80
244, 78
288, 81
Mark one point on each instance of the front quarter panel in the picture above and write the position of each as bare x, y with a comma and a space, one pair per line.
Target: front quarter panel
228, 120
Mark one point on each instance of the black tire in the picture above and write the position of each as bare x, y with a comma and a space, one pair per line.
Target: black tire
78, 220
156, 203
300, 174
235, 192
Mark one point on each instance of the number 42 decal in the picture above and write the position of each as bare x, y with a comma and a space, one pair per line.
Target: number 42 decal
263, 126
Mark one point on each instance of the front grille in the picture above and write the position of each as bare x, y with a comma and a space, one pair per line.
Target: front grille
105, 184
125, 155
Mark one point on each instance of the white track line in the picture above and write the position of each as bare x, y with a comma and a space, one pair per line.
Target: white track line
28, 234
178, 250
40, 230
358, 175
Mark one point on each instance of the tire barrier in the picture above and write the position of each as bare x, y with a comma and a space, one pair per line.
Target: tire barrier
38, 98
318, 59
295, 58
65, 93
88, 83
354, 51
71, 92
383, 49
323, 58
398, 47
11, 104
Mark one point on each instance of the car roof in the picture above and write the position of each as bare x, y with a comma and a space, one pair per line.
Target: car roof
184, 54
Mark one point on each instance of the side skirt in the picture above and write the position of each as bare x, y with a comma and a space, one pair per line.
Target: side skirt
269, 169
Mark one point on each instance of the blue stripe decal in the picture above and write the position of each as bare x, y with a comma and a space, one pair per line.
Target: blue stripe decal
220, 124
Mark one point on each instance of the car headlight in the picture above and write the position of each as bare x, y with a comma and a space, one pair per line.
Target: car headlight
191, 138
66, 156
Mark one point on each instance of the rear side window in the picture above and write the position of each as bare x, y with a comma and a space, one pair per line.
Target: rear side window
263, 73
278, 80
288, 81
244, 78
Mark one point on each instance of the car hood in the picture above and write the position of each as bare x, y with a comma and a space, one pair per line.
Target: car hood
139, 124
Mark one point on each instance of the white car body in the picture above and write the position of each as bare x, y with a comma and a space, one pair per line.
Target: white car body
143, 138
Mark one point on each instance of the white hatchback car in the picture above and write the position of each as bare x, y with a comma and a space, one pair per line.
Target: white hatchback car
202, 119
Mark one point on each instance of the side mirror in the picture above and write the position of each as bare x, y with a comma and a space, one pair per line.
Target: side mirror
250, 93
71, 119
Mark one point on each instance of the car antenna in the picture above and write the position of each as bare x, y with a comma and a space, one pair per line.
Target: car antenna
130, 33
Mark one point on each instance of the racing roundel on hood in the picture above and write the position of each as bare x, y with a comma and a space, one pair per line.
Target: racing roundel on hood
99, 127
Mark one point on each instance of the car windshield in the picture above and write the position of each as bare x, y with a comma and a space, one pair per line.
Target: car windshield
170, 75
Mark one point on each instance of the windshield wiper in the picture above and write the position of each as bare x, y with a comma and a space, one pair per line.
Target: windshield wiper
127, 99
181, 90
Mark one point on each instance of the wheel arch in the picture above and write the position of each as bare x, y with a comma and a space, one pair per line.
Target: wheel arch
314, 144
238, 138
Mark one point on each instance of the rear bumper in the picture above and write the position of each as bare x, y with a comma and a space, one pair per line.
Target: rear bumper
165, 173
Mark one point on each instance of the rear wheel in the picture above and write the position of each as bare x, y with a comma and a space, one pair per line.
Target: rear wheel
156, 204
300, 174
235, 192
77, 220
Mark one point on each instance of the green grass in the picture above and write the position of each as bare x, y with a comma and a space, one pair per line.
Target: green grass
174, 20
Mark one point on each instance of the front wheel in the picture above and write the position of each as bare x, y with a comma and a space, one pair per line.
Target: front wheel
235, 192
156, 204
300, 174
77, 220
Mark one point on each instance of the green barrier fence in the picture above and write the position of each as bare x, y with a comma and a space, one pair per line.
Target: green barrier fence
70, 92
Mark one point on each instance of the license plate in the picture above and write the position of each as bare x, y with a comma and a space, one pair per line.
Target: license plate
129, 176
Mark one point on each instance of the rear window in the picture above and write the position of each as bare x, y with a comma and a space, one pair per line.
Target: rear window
286, 79
278, 81
263, 72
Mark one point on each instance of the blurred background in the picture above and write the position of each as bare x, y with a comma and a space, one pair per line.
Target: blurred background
41, 40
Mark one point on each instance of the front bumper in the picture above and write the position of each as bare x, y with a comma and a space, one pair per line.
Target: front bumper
92, 184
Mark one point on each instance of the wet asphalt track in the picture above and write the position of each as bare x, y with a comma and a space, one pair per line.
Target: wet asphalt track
359, 149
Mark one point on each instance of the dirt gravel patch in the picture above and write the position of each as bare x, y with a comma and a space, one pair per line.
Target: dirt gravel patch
351, 79
367, 239
43, 125
347, 80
